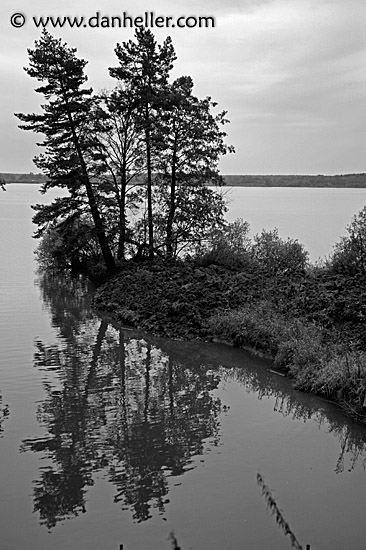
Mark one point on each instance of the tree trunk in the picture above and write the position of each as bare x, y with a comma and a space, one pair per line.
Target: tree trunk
172, 205
122, 220
99, 229
149, 184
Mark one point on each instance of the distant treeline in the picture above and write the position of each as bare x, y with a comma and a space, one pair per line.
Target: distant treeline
345, 180
23, 178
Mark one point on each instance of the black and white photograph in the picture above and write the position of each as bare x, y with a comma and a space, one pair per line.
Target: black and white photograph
183, 275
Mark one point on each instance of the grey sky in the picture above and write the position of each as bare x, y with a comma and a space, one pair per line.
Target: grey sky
291, 73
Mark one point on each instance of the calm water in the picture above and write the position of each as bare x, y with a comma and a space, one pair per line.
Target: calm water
315, 217
111, 437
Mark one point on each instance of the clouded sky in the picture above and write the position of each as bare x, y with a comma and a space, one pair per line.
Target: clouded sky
291, 73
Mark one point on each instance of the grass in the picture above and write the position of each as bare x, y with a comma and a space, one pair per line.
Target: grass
311, 355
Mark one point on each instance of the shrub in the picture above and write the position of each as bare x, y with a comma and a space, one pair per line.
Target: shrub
69, 245
349, 255
275, 255
228, 246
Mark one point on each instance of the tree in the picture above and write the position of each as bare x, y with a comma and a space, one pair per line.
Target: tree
190, 141
144, 68
198, 211
119, 157
65, 122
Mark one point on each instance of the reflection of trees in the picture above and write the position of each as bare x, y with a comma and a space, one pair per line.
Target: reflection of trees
300, 406
139, 409
120, 405
169, 413
67, 299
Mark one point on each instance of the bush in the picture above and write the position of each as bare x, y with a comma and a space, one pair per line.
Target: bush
69, 245
257, 325
349, 255
228, 246
277, 256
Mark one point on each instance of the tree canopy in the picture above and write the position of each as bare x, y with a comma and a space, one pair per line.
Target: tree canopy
136, 159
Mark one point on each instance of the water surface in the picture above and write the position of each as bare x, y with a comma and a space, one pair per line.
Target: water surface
115, 437
316, 217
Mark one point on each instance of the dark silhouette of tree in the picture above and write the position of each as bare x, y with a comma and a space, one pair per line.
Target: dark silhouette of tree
65, 122
191, 143
143, 71
135, 160
119, 160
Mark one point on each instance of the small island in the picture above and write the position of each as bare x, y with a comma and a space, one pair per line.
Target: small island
141, 221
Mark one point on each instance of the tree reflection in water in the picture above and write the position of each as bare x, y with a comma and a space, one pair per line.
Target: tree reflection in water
119, 405
300, 406
138, 409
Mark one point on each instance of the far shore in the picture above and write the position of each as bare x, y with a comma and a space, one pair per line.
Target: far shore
340, 181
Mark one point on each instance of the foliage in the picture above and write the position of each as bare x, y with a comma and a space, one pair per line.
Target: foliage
66, 122
337, 181
316, 359
143, 71
278, 256
190, 141
228, 246
71, 245
135, 160
118, 161
349, 256
198, 210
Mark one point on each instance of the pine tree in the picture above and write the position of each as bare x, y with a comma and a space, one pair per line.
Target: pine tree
144, 68
65, 122
191, 144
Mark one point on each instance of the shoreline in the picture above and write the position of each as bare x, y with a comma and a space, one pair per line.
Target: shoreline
336, 181
216, 304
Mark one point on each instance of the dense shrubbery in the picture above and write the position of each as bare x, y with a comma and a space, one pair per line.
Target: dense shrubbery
276, 256
311, 355
228, 246
71, 245
349, 255
232, 247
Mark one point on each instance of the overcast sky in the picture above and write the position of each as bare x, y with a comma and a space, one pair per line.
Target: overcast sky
291, 73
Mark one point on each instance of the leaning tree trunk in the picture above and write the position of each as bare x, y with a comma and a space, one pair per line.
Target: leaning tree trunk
98, 223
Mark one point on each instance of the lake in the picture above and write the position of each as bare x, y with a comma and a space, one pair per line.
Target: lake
111, 437
316, 217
